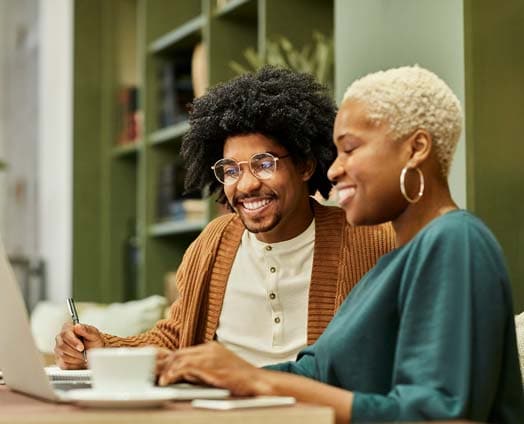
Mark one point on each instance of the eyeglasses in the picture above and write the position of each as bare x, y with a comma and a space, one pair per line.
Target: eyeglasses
261, 165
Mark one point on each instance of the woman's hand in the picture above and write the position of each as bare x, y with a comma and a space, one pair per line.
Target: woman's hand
211, 364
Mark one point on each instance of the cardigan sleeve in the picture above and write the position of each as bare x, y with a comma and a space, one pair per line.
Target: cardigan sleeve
190, 277
453, 299
166, 332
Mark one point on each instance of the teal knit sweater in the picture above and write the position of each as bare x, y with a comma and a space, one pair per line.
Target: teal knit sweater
428, 333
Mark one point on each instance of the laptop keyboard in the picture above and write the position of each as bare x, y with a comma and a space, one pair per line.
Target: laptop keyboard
70, 385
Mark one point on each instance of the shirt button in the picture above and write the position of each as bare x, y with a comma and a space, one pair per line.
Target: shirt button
272, 270
269, 248
277, 320
272, 296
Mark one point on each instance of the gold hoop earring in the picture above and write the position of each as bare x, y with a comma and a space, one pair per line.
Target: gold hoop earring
403, 184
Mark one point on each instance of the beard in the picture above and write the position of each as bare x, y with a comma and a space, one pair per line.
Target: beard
264, 225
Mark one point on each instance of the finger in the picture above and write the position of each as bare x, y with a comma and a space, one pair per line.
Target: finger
69, 362
161, 364
61, 347
204, 359
88, 332
191, 374
175, 363
70, 339
162, 357
176, 375
192, 350
203, 375
163, 353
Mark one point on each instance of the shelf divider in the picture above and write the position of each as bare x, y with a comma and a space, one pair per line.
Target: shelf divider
126, 150
167, 40
176, 227
169, 133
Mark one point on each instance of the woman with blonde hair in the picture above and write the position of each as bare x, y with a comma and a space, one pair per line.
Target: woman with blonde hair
428, 333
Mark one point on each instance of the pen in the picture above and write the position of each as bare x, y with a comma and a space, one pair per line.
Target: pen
74, 316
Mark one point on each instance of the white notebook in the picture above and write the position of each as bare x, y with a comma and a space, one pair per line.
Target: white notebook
57, 374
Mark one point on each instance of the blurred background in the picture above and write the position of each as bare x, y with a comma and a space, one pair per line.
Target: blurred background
93, 98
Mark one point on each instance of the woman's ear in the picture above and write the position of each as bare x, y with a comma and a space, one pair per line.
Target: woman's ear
421, 143
308, 169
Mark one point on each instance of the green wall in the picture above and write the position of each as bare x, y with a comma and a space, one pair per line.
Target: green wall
379, 34
476, 47
495, 125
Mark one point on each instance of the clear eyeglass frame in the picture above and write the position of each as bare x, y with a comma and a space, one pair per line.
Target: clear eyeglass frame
261, 165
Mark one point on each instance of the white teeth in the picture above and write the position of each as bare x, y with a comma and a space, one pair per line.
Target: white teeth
256, 204
345, 193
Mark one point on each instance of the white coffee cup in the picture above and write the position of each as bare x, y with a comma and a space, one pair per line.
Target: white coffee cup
122, 369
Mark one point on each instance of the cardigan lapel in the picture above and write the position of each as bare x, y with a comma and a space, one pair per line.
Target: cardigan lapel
329, 226
221, 268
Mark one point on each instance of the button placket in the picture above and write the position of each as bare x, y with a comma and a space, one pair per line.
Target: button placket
272, 296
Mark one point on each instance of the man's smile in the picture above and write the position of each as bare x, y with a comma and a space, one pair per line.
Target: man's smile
254, 205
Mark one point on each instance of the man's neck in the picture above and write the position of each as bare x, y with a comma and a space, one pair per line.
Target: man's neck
289, 228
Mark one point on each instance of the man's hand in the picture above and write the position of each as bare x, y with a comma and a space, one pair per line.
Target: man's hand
71, 342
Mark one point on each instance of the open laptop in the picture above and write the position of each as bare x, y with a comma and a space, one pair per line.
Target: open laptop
22, 364
20, 361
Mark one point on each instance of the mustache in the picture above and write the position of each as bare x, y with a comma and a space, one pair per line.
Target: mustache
254, 195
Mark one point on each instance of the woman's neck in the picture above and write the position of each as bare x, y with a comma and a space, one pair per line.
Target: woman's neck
435, 202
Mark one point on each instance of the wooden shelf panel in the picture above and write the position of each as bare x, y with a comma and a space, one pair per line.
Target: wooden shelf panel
238, 9
182, 35
126, 150
167, 134
176, 227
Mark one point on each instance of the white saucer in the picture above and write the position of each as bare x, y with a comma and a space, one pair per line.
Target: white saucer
99, 399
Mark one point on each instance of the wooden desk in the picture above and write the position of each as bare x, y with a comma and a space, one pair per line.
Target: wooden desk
16, 408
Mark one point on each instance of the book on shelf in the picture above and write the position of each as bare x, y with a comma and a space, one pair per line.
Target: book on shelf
188, 209
196, 206
129, 121
172, 202
169, 187
175, 89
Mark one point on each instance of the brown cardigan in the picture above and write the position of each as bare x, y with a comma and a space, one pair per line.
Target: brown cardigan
342, 255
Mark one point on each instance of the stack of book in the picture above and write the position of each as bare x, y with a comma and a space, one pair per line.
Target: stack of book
194, 209
172, 203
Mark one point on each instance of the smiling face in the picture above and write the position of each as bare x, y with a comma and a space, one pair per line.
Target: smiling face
367, 168
276, 209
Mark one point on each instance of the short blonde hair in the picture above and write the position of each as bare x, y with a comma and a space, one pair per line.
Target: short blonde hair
411, 98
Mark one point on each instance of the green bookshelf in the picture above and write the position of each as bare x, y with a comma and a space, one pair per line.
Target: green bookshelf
148, 45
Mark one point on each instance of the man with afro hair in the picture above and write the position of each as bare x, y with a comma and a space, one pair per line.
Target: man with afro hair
265, 279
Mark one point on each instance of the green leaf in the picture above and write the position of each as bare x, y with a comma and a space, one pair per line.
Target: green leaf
315, 57
238, 68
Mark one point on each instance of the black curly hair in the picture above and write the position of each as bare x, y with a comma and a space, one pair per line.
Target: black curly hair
288, 107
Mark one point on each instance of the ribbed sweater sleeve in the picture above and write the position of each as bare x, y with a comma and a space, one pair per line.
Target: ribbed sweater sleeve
182, 325
342, 255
